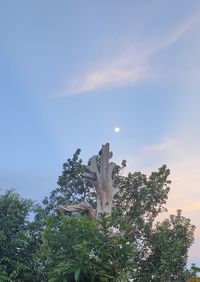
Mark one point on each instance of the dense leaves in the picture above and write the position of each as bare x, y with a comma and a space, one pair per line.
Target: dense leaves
16, 244
140, 200
169, 243
79, 249
72, 187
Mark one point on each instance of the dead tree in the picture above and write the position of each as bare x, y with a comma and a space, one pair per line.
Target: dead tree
101, 176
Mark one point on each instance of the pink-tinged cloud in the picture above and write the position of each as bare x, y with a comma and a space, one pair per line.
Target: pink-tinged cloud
109, 76
127, 69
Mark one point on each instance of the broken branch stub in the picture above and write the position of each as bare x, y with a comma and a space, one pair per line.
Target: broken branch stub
81, 207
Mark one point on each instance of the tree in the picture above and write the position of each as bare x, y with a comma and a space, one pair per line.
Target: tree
138, 203
135, 207
113, 257
16, 243
122, 243
81, 249
169, 244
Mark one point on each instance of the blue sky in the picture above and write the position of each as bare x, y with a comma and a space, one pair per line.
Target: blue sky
70, 71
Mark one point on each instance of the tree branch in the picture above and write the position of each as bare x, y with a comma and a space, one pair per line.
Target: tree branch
81, 207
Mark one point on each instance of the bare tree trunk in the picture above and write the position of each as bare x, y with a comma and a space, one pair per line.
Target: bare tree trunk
102, 178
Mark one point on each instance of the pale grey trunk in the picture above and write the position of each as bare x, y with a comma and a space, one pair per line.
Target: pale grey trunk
103, 181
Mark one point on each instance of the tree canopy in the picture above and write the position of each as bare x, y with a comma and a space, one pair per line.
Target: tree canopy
66, 246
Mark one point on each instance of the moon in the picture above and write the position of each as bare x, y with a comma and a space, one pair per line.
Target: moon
117, 129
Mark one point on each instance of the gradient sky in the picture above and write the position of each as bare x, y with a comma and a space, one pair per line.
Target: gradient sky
70, 71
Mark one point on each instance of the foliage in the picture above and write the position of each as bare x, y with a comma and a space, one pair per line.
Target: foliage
169, 245
136, 206
194, 271
141, 198
72, 187
16, 245
80, 249
58, 247
139, 201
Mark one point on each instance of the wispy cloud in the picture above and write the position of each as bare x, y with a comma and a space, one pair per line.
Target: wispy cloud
125, 69
108, 76
177, 33
163, 146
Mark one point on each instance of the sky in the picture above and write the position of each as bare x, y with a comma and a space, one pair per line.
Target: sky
72, 71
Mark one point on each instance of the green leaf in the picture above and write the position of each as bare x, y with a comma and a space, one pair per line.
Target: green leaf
77, 273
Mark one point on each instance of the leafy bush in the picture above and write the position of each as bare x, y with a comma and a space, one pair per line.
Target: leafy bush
79, 249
